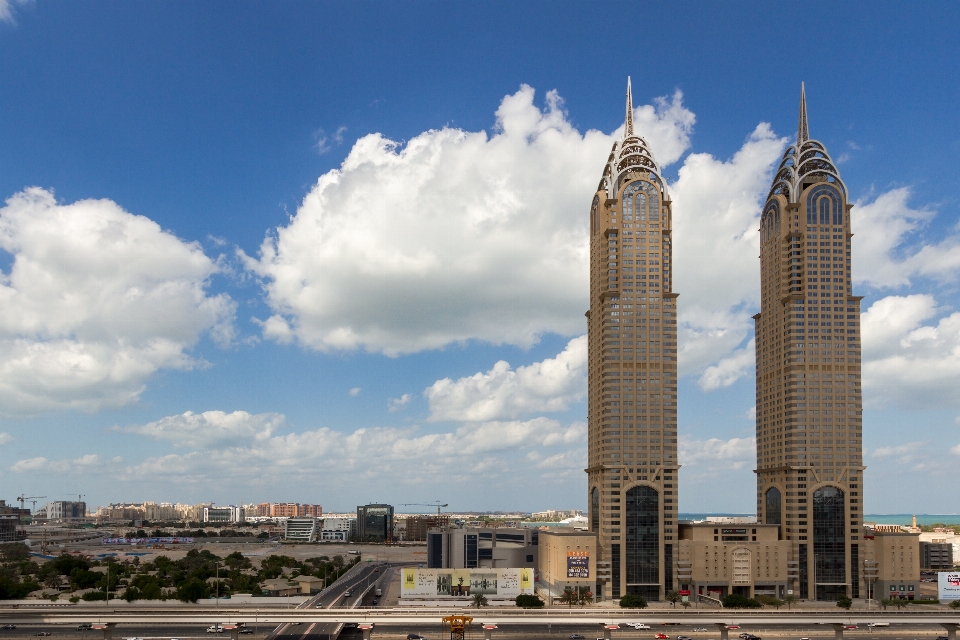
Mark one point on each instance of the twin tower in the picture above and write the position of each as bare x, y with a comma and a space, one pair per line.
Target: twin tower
809, 469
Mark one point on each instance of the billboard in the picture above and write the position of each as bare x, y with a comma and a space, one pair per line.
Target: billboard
146, 541
948, 585
578, 564
454, 583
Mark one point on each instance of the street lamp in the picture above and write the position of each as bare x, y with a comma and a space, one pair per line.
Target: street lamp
218, 584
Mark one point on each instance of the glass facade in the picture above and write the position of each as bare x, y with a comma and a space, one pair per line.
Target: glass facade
470, 555
773, 513
595, 511
615, 569
829, 553
643, 542
375, 522
804, 565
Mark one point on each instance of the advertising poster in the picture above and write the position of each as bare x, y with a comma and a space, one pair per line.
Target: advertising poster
459, 583
578, 564
948, 583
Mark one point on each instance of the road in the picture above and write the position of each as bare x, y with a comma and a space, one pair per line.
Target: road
356, 585
433, 631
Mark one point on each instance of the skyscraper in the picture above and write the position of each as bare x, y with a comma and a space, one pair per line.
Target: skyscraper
632, 380
809, 447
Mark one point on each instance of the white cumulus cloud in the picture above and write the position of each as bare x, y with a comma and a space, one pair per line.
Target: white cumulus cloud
488, 450
716, 453
396, 404
884, 255
905, 361
453, 236
502, 392
5, 437
729, 369
203, 430
95, 302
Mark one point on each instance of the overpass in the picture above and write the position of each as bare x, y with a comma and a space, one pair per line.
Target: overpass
607, 620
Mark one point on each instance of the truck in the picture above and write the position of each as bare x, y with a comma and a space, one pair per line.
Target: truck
378, 592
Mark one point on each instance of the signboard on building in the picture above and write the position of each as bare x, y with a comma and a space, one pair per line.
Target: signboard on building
733, 532
948, 583
507, 583
578, 564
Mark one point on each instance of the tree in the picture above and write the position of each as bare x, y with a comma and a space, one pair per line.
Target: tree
192, 590
528, 601
569, 597
631, 601
789, 600
844, 602
737, 601
479, 600
955, 604
673, 598
53, 581
584, 596
685, 604
899, 603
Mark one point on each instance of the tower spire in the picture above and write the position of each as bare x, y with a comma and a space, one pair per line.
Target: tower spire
803, 134
628, 120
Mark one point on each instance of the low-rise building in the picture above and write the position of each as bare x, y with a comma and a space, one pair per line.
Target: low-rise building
936, 556
472, 547
716, 560
338, 529
375, 522
301, 529
224, 514
891, 562
567, 558
280, 587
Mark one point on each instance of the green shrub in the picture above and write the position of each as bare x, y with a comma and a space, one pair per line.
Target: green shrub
528, 601
631, 601
737, 601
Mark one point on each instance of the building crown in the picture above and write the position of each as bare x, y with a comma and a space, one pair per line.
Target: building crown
805, 162
630, 155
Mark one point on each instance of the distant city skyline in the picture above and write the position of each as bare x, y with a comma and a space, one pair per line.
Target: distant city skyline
251, 258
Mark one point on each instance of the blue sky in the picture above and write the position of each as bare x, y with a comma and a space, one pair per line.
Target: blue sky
337, 252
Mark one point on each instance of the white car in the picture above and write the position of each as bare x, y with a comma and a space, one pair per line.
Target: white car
639, 626
215, 628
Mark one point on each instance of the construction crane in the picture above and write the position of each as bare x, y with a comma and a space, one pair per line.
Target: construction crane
23, 499
435, 503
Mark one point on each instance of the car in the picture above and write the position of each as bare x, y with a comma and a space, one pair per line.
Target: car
941, 637
576, 636
639, 626
415, 636
375, 602
215, 628
662, 636
9, 626
850, 626
700, 629
85, 626
43, 634
683, 637
750, 636
744, 636
347, 594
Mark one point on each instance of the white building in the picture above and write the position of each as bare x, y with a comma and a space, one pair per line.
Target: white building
338, 529
231, 513
301, 529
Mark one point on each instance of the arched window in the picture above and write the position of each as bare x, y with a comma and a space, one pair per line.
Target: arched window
824, 200
770, 221
829, 543
595, 510
643, 542
594, 209
641, 201
772, 511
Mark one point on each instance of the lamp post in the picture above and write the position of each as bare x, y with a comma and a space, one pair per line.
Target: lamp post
218, 584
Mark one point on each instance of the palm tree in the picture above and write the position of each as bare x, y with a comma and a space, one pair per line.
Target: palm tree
53, 581
479, 600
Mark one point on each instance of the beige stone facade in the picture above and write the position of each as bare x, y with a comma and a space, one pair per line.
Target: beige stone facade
891, 560
716, 560
567, 558
632, 379
809, 459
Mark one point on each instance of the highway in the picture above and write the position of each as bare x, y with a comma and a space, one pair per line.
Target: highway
359, 583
